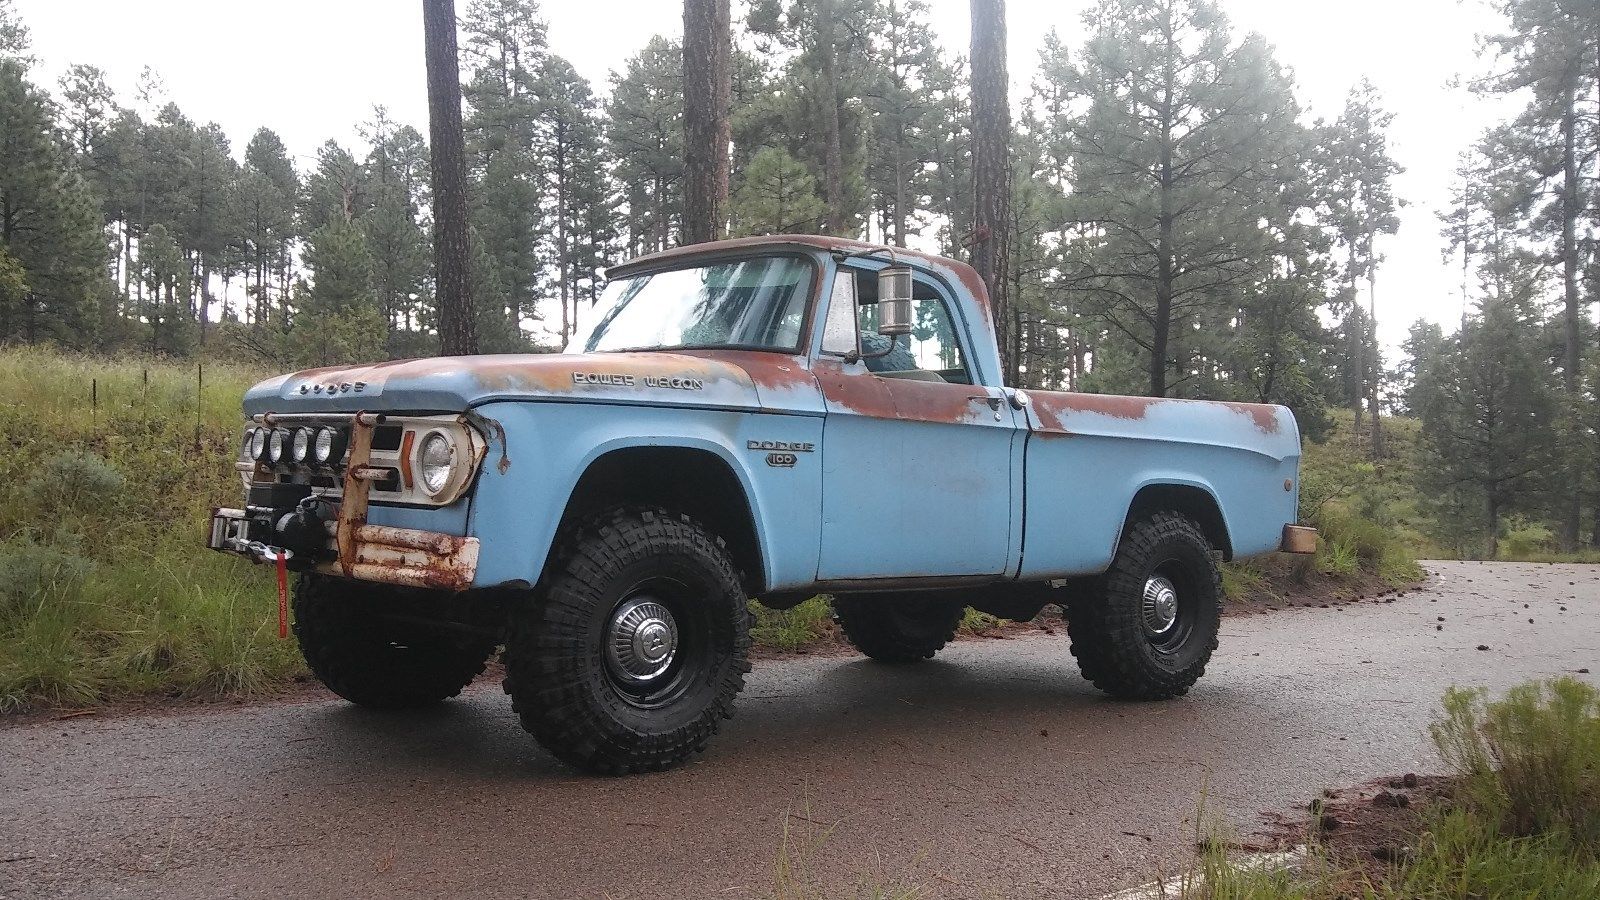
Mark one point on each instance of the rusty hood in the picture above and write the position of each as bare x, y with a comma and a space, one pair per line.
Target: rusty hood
452, 383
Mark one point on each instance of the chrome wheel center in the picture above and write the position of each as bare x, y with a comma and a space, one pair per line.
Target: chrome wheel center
642, 640
1160, 606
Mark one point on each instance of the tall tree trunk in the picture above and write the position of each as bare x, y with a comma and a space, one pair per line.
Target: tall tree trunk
1358, 352
1372, 323
833, 155
707, 92
900, 200
991, 130
1571, 378
457, 330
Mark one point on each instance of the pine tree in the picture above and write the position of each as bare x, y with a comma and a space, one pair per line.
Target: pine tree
1181, 139
1356, 179
777, 195
396, 174
49, 224
645, 136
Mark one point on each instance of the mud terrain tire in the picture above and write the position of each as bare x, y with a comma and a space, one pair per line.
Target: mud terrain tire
629, 654
1117, 626
378, 662
898, 628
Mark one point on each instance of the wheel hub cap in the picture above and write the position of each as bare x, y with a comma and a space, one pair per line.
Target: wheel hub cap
642, 640
1160, 607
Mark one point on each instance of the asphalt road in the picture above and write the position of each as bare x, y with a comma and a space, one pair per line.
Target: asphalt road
995, 771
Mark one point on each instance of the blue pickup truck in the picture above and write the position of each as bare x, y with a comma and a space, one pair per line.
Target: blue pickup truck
767, 418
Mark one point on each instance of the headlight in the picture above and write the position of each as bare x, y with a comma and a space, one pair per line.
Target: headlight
258, 443
435, 461
247, 448
302, 445
277, 444
329, 446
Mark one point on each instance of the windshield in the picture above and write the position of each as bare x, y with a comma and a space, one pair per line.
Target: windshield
752, 303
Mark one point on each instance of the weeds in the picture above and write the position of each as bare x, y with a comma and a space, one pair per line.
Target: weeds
1524, 820
789, 630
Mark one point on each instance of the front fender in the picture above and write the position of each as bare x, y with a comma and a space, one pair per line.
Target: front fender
517, 508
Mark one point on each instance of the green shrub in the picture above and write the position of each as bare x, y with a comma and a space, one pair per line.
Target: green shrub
30, 572
74, 481
1530, 760
1522, 538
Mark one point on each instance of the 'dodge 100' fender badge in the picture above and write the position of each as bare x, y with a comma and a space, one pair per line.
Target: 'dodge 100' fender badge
782, 454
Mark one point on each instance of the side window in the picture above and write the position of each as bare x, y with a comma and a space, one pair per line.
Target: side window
839, 330
931, 353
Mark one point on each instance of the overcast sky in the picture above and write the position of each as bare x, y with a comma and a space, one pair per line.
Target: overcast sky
313, 69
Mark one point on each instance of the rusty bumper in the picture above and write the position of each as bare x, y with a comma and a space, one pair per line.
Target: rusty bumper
403, 556
1299, 539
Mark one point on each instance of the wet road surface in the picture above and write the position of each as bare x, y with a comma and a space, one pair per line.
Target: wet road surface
995, 771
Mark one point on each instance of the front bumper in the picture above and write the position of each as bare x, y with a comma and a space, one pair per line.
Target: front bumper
404, 556
346, 544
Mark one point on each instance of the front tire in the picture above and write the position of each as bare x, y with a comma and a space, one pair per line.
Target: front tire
631, 654
1150, 628
898, 628
375, 661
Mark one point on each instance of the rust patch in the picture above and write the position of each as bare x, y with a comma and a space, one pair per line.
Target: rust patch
773, 372
1054, 407
1263, 414
855, 391
923, 401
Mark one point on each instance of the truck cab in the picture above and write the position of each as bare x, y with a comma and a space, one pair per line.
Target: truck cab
767, 418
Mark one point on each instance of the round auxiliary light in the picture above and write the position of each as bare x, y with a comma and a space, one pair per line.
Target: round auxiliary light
301, 446
247, 446
328, 447
435, 461
258, 444
278, 445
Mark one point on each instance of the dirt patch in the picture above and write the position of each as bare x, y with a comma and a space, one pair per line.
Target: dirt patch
1318, 592
1362, 831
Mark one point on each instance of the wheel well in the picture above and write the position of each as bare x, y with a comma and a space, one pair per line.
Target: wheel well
1196, 503
695, 482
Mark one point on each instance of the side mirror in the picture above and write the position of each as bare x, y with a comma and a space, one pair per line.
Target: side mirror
894, 301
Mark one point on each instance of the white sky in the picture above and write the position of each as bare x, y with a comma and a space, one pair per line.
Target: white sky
313, 69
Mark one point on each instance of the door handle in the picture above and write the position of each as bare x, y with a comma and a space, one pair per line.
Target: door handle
994, 402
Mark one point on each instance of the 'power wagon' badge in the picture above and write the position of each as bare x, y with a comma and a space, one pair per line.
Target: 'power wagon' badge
655, 381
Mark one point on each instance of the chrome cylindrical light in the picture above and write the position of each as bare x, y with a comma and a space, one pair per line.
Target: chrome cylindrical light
894, 301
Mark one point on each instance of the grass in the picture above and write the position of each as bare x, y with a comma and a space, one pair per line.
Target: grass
1523, 820
109, 468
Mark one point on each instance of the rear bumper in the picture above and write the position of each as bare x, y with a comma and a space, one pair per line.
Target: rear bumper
1298, 539
403, 556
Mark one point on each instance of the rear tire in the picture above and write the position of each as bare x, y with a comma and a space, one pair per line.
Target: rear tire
898, 628
378, 662
1149, 627
629, 656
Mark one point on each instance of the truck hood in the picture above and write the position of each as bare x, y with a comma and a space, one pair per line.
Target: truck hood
453, 383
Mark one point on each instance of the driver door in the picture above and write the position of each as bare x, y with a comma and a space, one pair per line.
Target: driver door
916, 460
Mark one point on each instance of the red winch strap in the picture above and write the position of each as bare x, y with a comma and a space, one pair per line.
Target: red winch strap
283, 594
